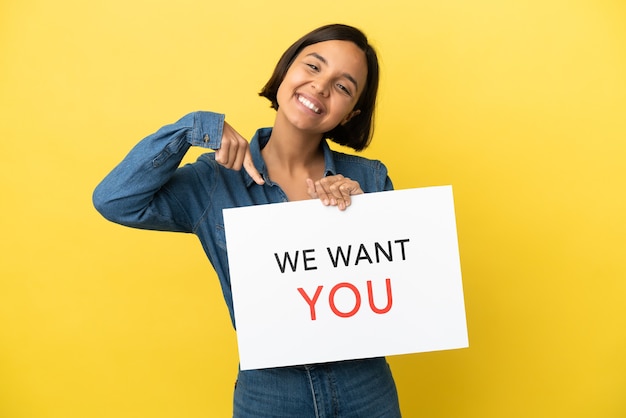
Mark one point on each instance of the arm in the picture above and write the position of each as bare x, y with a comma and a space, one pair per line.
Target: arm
134, 193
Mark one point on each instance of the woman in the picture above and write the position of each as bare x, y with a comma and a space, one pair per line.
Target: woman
324, 87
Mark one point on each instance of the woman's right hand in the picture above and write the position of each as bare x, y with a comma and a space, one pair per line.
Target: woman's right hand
234, 153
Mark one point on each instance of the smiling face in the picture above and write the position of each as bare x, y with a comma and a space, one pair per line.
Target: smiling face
322, 86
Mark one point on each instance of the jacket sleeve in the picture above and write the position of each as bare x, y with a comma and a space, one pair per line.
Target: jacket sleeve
387, 183
135, 192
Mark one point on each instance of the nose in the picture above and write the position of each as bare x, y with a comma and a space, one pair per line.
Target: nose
321, 86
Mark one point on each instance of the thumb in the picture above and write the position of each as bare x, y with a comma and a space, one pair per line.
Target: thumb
310, 188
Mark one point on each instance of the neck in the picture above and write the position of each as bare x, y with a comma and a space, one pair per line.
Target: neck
292, 149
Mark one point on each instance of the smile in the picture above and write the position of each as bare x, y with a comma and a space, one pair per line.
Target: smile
309, 105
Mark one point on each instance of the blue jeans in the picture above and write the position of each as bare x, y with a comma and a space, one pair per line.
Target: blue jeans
346, 389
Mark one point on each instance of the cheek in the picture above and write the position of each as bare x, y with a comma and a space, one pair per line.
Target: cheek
347, 107
282, 94
286, 84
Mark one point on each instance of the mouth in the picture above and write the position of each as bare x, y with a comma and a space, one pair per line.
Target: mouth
308, 104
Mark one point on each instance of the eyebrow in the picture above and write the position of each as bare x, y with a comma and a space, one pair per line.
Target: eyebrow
346, 75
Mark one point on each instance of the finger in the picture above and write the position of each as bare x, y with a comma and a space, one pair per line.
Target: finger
221, 154
310, 189
248, 165
322, 193
231, 146
334, 190
233, 150
327, 186
338, 189
341, 194
348, 190
239, 154
342, 191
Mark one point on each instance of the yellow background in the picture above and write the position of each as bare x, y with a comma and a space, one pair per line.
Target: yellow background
520, 105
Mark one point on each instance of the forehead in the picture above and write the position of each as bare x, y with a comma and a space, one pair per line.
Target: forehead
342, 56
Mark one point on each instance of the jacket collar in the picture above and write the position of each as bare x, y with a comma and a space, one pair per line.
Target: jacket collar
261, 138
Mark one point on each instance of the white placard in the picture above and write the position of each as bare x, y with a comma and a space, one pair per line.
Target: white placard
313, 284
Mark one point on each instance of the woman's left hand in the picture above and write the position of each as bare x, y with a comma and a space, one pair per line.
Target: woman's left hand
334, 190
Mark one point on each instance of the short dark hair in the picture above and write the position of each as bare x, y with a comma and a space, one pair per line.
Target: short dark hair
357, 132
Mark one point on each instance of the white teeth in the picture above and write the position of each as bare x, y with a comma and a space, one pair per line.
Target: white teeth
308, 104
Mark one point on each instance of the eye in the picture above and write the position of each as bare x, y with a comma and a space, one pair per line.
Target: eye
344, 89
312, 66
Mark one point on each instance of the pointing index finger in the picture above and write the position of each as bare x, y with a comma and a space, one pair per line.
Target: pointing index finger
248, 165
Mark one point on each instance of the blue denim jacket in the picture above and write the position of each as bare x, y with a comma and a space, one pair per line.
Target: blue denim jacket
148, 189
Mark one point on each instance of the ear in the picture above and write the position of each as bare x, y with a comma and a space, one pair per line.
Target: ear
350, 116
